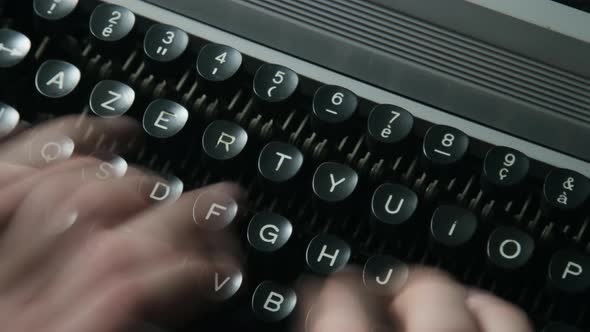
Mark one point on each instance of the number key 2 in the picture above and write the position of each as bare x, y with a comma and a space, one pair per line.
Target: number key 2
444, 147
111, 23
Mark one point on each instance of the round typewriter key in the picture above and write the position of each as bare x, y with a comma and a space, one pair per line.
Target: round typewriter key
9, 118
214, 210
444, 147
327, 254
164, 118
226, 284
333, 105
218, 63
509, 248
53, 10
279, 162
111, 99
111, 23
275, 83
224, 140
452, 226
57, 79
14, 48
569, 272
504, 169
165, 43
272, 302
160, 187
393, 204
565, 190
387, 126
269, 232
383, 274
334, 182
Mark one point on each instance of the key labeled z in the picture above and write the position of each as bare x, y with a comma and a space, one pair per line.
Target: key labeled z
107, 104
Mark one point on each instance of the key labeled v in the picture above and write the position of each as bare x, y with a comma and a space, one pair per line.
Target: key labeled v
219, 286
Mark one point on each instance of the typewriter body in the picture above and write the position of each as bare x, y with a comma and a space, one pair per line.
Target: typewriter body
447, 133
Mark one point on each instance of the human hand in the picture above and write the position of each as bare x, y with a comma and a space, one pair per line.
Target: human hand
84, 246
420, 299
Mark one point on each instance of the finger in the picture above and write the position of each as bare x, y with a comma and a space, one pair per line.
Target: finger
58, 140
496, 315
167, 291
13, 195
341, 306
196, 212
36, 220
432, 301
11, 172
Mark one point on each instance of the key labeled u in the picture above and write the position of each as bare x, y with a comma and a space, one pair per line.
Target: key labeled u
397, 209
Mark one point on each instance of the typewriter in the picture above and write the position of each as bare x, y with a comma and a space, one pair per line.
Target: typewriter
447, 133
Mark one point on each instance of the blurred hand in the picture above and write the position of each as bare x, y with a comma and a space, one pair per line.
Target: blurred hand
427, 300
83, 246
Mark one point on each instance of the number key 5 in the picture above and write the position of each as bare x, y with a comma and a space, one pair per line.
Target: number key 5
275, 83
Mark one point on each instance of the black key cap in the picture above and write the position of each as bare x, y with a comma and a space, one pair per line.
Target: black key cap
111, 99
167, 187
279, 163
334, 183
218, 63
569, 273
214, 210
444, 148
14, 48
272, 302
54, 10
383, 274
452, 228
226, 284
327, 254
269, 232
565, 192
58, 18
165, 47
224, 140
510, 249
164, 118
504, 170
269, 235
333, 110
559, 327
57, 79
393, 205
274, 85
387, 127
111, 26
9, 118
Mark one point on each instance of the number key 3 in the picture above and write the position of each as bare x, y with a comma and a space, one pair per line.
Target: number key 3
164, 43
